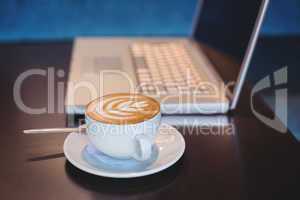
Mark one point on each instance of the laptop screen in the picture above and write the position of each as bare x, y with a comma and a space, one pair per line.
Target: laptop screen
224, 29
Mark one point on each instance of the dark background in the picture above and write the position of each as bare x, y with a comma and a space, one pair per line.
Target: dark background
61, 19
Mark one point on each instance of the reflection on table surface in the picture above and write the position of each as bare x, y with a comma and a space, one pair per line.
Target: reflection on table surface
174, 120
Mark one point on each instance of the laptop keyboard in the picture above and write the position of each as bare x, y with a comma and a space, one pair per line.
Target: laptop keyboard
166, 68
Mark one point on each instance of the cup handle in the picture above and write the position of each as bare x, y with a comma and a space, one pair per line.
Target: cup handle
143, 148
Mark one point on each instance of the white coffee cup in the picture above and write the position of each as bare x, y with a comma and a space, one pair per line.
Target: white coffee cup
123, 140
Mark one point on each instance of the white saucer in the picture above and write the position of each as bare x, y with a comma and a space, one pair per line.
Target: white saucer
169, 147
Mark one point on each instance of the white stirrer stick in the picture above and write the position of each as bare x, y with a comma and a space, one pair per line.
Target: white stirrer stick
80, 129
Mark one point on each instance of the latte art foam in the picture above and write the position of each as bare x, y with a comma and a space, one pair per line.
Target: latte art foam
123, 108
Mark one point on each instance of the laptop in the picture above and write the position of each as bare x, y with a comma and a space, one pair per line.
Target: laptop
202, 73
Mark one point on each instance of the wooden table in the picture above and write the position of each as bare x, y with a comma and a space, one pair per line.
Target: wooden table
253, 162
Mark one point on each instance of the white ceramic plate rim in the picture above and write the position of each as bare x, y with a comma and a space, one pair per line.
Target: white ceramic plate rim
104, 173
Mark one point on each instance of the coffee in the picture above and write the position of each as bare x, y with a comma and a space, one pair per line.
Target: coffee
123, 108
123, 125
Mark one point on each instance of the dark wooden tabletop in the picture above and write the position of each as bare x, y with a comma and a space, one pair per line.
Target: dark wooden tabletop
252, 162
